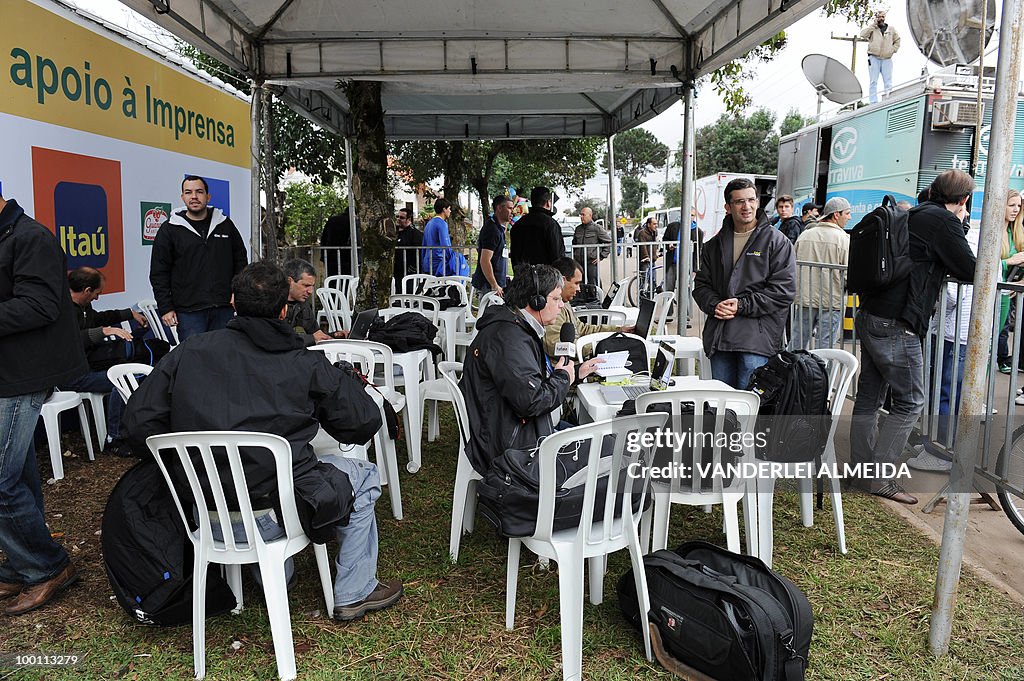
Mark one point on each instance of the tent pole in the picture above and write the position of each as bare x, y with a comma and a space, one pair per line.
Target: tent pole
255, 218
352, 239
1004, 117
683, 267
611, 210
269, 178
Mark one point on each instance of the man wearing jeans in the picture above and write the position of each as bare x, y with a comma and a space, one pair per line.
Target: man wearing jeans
883, 42
745, 284
257, 375
822, 297
40, 347
891, 323
195, 254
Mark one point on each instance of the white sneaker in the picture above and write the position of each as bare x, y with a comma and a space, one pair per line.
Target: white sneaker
926, 461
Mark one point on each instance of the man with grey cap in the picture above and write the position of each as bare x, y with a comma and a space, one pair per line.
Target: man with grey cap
821, 290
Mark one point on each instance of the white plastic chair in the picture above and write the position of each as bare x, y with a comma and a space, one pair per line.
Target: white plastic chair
425, 305
434, 391
841, 367
125, 377
196, 457
698, 490
347, 284
466, 283
663, 304
148, 309
620, 295
689, 349
466, 477
463, 339
364, 357
335, 307
412, 283
99, 414
613, 317
601, 531
58, 402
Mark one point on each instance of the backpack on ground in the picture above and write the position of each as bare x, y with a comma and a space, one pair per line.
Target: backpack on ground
879, 249
405, 332
148, 555
795, 415
447, 295
722, 615
617, 342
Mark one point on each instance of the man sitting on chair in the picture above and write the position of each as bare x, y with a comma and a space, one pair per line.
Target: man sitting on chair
572, 272
299, 313
256, 375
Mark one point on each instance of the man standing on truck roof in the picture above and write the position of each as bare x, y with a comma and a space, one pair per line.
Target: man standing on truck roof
883, 42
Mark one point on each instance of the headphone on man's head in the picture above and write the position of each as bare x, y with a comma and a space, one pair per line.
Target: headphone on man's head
538, 301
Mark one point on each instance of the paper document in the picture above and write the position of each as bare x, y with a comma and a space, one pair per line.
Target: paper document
614, 364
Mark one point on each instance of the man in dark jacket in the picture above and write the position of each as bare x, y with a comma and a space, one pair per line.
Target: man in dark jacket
745, 284
789, 224
99, 330
589, 233
891, 323
40, 349
537, 236
195, 254
256, 375
407, 255
335, 240
511, 387
299, 315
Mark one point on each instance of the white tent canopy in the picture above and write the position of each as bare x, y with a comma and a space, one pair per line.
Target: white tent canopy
479, 70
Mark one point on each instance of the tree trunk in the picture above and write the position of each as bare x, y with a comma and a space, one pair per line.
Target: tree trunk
374, 203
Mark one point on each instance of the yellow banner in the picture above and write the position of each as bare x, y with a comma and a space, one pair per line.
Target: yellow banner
56, 71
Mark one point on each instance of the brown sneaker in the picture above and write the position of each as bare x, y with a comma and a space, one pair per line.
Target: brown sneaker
384, 596
9, 589
37, 595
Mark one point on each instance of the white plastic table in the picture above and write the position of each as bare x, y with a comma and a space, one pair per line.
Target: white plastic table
592, 406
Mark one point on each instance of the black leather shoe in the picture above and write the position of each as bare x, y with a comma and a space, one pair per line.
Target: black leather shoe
892, 490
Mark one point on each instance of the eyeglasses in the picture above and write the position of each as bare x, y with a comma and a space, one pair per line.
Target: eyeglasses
742, 202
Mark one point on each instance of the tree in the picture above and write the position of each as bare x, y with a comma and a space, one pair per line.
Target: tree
793, 122
637, 153
738, 144
599, 207
634, 191
375, 204
307, 206
672, 191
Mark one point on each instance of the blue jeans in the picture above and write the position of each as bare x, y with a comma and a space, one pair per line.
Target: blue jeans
97, 382
735, 368
32, 555
891, 358
193, 323
878, 67
356, 564
827, 323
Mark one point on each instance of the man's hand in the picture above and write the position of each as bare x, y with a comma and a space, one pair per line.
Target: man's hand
727, 308
116, 331
320, 336
140, 319
568, 367
498, 291
590, 366
170, 319
593, 261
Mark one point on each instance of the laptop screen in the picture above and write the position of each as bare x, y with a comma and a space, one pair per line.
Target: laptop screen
361, 325
645, 317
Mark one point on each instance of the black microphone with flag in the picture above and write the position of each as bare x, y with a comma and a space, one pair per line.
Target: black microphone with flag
566, 345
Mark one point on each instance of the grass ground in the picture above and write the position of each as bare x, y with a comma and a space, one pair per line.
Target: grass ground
871, 607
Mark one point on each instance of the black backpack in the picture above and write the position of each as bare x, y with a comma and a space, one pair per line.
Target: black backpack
795, 415
617, 342
110, 353
879, 249
405, 332
148, 555
725, 615
447, 295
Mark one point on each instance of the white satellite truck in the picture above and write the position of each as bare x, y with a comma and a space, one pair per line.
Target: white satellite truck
709, 198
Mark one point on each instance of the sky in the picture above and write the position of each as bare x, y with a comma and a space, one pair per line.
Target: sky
778, 85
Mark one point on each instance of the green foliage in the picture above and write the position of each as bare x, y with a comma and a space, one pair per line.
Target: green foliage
637, 153
297, 141
738, 144
634, 191
306, 208
673, 192
793, 122
599, 207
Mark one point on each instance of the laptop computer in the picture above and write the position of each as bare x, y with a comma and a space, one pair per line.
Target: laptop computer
661, 378
362, 323
610, 296
645, 317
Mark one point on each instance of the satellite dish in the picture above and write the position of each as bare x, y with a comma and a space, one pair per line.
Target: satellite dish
831, 80
949, 31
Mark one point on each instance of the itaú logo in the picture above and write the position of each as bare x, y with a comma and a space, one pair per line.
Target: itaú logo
844, 145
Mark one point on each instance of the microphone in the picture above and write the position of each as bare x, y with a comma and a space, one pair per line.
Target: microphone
566, 345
